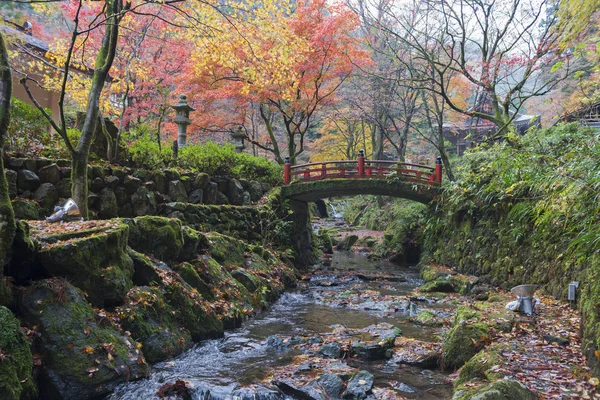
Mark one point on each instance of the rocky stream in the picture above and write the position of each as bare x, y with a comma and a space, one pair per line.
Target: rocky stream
348, 330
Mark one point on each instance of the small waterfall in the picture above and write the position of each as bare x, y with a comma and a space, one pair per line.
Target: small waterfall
334, 212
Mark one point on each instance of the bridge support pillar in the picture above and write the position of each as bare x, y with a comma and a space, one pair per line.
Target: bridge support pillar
361, 163
438, 170
287, 169
302, 234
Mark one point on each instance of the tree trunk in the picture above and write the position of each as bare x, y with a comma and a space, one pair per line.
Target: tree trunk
79, 179
104, 60
7, 217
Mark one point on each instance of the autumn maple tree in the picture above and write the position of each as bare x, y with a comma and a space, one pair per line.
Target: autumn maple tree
287, 59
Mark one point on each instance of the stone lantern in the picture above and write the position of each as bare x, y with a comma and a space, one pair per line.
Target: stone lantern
182, 110
238, 140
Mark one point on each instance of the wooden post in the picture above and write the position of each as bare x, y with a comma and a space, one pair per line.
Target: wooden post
287, 169
323, 170
307, 174
438, 170
361, 164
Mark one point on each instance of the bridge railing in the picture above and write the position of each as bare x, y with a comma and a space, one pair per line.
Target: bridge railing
361, 168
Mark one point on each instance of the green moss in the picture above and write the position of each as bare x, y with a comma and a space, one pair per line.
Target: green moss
190, 275
158, 236
428, 318
16, 362
98, 264
86, 357
480, 366
506, 389
437, 286
150, 320
463, 342
193, 313
226, 250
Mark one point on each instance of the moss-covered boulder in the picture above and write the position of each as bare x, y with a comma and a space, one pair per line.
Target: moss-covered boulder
84, 355
158, 236
443, 279
193, 243
482, 367
26, 209
16, 362
347, 242
151, 321
505, 389
226, 249
473, 328
95, 261
193, 312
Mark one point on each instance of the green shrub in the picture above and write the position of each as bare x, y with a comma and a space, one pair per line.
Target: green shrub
28, 130
222, 160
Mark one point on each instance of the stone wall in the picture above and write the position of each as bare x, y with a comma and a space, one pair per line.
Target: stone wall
37, 185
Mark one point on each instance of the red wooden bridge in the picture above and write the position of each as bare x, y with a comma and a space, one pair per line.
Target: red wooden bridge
363, 169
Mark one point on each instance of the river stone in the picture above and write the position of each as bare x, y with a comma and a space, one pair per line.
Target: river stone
196, 196
74, 346
47, 196
132, 184
177, 192
64, 188
143, 202
347, 242
359, 386
332, 384
27, 180
371, 351
210, 193
235, 192
108, 204
50, 174
331, 350
16, 381
305, 392
11, 177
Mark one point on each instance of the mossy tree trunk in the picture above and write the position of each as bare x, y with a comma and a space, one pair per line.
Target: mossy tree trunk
114, 12
104, 61
7, 217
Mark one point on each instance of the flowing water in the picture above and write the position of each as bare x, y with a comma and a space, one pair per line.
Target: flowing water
238, 365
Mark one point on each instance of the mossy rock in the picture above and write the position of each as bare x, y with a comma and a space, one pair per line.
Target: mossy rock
84, 355
6, 295
190, 274
437, 286
145, 272
193, 243
16, 364
226, 250
24, 266
193, 312
428, 318
157, 236
463, 342
151, 322
347, 242
97, 264
26, 209
479, 367
505, 389
431, 273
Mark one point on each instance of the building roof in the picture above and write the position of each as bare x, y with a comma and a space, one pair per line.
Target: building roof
25, 38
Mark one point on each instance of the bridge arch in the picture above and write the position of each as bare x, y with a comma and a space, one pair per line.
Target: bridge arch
313, 190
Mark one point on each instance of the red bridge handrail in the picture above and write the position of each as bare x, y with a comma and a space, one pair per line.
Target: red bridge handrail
365, 169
